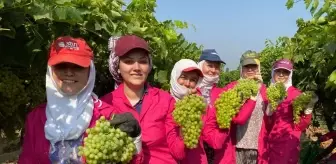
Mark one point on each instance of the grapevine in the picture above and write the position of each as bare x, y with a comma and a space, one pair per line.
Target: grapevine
276, 93
12, 93
229, 102
188, 114
300, 103
105, 144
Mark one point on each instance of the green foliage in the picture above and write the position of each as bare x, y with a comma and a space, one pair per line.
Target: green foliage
312, 49
227, 77
28, 27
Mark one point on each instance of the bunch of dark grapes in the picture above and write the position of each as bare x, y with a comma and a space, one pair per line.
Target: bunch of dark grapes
188, 115
276, 93
106, 144
300, 103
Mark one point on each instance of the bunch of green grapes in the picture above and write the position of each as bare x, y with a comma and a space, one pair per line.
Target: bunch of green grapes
246, 88
276, 93
188, 114
300, 103
227, 106
106, 144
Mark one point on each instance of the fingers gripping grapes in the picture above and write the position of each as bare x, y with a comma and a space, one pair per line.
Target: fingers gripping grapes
126, 123
300, 104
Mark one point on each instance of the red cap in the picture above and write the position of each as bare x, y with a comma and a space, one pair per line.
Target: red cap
284, 64
189, 69
129, 42
71, 50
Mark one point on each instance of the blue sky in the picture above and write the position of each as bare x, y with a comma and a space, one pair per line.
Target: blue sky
232, 27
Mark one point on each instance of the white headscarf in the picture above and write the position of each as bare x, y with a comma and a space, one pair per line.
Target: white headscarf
288, 83
177, 90
68, 116
208, 81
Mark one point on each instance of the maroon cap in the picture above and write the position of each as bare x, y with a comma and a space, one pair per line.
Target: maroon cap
129, 42
284, 64
189, 69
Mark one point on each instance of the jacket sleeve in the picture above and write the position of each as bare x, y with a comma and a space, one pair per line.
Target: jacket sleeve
174, 140
27, 156
211, 132
244, 113
305, 121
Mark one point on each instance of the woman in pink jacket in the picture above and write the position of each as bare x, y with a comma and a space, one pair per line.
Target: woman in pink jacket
185, 78
284, 137
55, 130
130, 63
246, 143
210, 63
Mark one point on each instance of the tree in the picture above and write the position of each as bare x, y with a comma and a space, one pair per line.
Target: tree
28, 27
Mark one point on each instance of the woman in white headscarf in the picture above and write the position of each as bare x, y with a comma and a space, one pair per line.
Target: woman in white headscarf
210, 64
284, 137
185, 79
55, 129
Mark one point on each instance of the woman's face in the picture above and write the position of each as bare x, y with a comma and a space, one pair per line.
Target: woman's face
210, 68
250, 71
70, 78
134, 68
188, 79
281, 75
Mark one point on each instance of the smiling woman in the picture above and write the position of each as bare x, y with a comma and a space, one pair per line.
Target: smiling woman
70, 78
54, 130
130, 63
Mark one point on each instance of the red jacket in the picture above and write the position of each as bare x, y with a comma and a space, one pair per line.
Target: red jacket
227, 155
284, 137
35, 148
161, 142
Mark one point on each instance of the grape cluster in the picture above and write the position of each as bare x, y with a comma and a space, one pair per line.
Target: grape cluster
246, 88
276, 93
188, 114
229, 103
300, 103
106, 144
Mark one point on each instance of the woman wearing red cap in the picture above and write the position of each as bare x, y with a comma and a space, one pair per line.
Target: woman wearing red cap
284, 137
130, 63
55, 130
185, 79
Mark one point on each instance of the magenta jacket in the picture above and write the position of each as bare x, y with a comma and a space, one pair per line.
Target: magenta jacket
284, 137
161, 142
227, 155
35, 148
